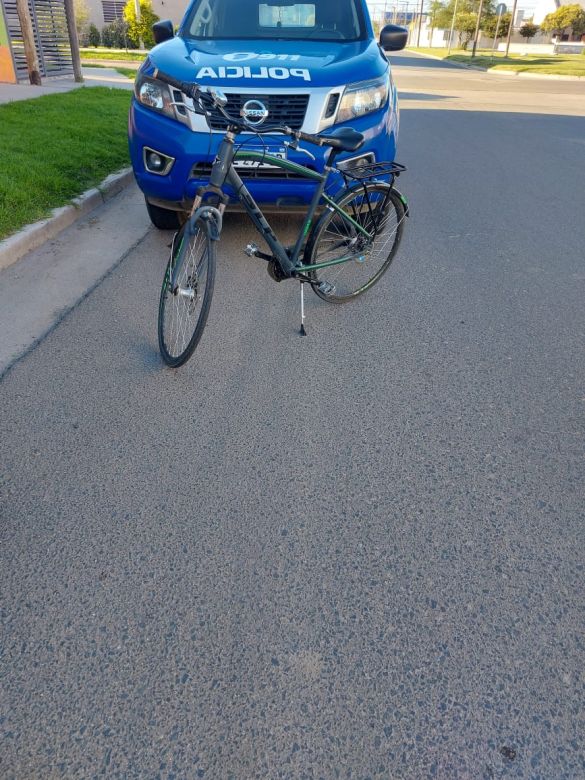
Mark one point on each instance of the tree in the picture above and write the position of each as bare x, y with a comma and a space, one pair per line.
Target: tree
564, 19
140, 28
81, 17
465, 25
441, 16
435, 9
93, 35
490, 25
528, 30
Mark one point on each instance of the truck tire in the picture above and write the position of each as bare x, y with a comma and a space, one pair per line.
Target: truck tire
163, 219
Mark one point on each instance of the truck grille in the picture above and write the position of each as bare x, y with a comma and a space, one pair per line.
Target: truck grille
203, 171
283, 109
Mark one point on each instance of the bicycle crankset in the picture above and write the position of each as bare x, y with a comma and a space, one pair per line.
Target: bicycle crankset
275, 271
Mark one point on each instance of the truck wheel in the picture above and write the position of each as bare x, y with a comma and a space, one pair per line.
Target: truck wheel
163, 219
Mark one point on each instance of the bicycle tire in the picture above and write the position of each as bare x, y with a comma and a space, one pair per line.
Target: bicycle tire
378, 208
183, 311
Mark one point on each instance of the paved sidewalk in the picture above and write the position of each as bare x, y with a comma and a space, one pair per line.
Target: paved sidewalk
94, 77
106, 77
12, 92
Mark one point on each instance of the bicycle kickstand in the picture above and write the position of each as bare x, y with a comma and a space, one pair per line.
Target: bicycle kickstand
303, 331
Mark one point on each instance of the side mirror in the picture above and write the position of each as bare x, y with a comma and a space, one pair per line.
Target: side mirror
393, 37
163, 31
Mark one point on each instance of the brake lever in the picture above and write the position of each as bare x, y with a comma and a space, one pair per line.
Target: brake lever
295, 145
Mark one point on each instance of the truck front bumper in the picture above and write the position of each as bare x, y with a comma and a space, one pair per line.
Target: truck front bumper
190, 151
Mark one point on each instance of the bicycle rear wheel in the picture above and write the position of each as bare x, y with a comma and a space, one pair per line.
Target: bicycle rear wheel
378, 209
186, 293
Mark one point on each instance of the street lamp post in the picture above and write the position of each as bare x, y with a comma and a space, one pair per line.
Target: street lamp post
420, 13
510, 28
452, 27
475, 37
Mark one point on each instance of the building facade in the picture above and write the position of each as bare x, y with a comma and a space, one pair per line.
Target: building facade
102, 12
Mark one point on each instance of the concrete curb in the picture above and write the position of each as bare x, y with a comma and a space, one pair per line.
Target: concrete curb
494, 72
522, 75
33, 236
442, 59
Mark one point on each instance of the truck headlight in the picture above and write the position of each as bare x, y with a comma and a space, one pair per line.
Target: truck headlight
159, 97
151, 95
363, 98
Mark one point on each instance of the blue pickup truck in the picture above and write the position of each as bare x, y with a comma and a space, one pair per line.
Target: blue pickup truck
308, 65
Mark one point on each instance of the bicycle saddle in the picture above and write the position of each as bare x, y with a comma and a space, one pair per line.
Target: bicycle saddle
344, 139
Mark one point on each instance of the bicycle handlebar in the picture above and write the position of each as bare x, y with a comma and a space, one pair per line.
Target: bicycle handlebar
207, 100
188, 88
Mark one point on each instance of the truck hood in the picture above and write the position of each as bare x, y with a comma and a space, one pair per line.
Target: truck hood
269, 64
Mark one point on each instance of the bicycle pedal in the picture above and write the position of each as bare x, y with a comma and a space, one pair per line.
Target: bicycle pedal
326, 288
251, 250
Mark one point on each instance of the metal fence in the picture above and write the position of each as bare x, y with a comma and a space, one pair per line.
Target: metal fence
51, 37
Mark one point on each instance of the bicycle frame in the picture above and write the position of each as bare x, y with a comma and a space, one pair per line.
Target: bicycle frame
289, 263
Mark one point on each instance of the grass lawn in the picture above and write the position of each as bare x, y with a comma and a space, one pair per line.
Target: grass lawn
109, 54
128, 72
559, 64
57, 146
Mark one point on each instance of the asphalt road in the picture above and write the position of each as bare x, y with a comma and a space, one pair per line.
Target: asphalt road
355, 555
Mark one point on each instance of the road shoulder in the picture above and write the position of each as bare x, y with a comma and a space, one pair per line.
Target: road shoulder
38, 291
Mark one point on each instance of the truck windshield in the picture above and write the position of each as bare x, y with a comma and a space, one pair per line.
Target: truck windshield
324, 20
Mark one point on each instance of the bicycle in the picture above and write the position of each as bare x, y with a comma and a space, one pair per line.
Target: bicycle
345, 251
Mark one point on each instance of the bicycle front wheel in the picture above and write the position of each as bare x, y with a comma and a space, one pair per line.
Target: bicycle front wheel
186, 293
368, 232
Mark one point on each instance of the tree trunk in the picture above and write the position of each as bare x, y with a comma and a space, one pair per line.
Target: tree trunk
28, 40
73, 40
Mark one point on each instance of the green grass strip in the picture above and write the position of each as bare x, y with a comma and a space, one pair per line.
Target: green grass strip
128, 72
57, 146
557, 64
104, 54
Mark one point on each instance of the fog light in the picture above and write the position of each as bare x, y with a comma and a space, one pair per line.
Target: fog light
157, 162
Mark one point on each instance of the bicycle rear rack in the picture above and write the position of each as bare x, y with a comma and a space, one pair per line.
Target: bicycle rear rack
378, 170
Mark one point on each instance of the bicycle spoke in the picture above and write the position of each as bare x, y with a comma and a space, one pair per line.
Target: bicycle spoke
183, 300
376, 212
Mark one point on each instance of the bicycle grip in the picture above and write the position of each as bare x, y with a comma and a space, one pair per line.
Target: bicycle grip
186, 87
312, 139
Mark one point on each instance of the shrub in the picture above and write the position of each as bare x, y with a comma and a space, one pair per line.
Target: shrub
115, 35
93, 35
